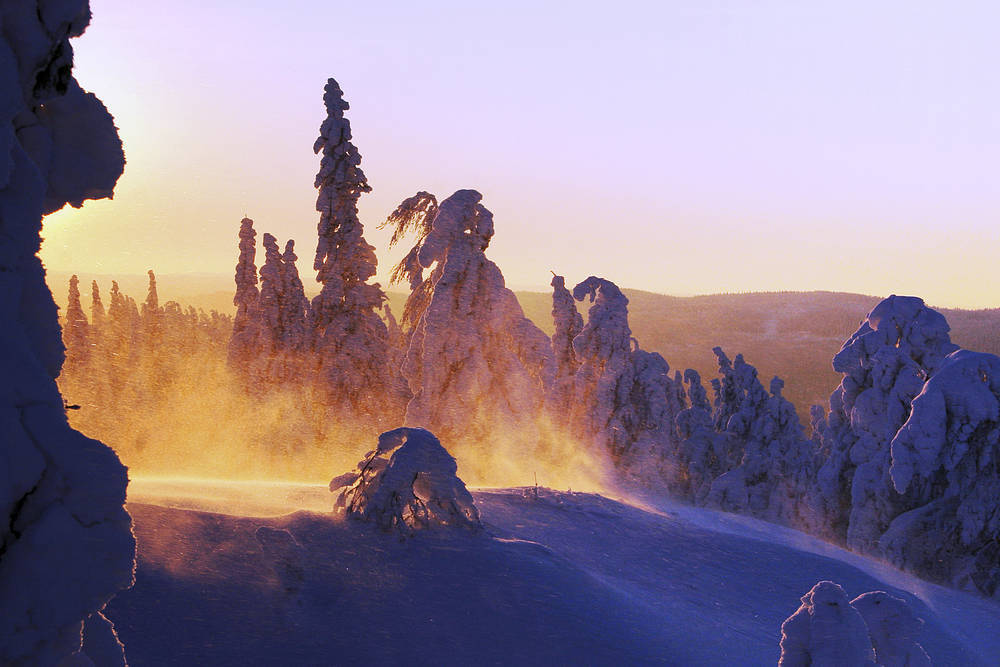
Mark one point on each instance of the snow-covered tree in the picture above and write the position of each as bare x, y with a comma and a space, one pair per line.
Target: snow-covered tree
624, 399
76, 334
776, 464
97, 313
568, 325
885, 362
66, 545
825, 631
893, 628
408, 483
294, 305
475, 364
245, 300
350, 339
946, 460
703, 453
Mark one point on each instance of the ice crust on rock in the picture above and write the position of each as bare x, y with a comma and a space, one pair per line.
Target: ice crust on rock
408, 483
66, 544
893, 628
885, 363
825, 631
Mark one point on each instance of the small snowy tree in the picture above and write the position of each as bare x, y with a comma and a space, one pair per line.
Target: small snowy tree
703, 453
245, 300
568, 325
408, 483
350, 339
295, 305
946, 460
825, 631
885, 362
77, 333
97, 313
893, 628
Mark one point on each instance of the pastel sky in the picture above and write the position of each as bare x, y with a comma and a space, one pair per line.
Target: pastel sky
680, 147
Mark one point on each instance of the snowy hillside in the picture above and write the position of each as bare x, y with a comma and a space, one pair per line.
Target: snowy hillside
564, 578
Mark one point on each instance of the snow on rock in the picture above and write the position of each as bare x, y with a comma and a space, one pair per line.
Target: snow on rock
475, 364
66, 544
946, 459
893, 628
885, 362
407, 483
624, 400
349, 338
825, 631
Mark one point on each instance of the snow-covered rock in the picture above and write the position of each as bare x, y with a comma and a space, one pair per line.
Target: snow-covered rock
825, 631
66, 544
408, 483
893, 629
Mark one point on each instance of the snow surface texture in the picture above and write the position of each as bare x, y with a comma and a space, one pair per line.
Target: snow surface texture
407, 483
558, 579
349, 337
476, 366
885, 363
825, 631
66, 545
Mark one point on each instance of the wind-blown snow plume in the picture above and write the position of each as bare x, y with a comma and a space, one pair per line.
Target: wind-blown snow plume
946, 459
475, 364
624, 399
825, 631
409, 482
885, 363
349, 337
66, 544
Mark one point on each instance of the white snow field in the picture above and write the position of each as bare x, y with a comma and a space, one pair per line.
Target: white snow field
561, 578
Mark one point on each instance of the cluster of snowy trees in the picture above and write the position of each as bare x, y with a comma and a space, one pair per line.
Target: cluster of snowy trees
901, 466
828, 628
66, 545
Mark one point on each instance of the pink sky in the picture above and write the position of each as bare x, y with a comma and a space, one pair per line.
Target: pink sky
678, 147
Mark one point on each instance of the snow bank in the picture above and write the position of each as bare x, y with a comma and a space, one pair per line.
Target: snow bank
893, 628
66, 544
407, 483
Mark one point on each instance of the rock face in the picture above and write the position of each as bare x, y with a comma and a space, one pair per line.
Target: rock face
66, 545
407, 483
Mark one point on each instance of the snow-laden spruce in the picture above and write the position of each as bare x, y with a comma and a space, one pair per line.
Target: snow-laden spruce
568, 325
350, 339
66, 545
825, 631
776, 462
408, 483
893, 628
946, 460
885, 362
241, 343
476, 366
76, 329
624, 400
